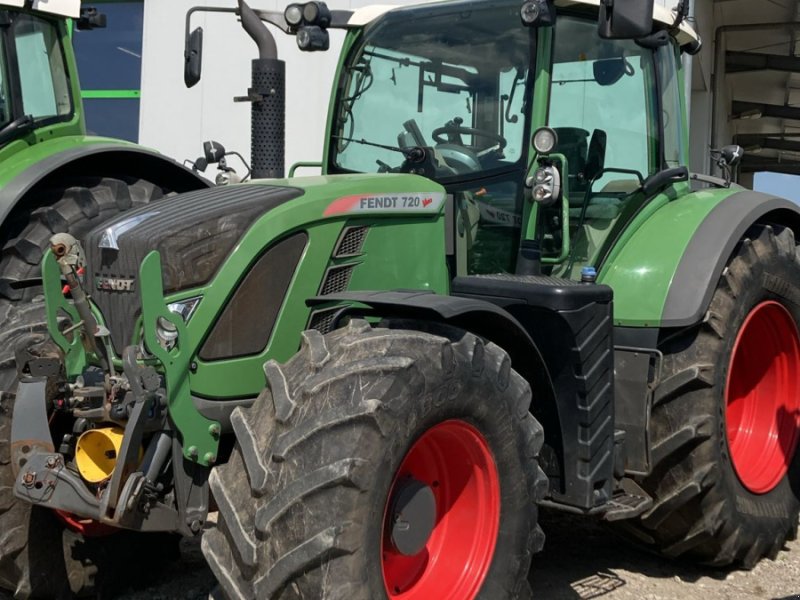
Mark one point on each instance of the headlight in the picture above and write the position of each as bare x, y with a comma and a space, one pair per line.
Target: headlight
545, 140
546, 183
166, 332
530, 12
317, 13
293, 14
312, 38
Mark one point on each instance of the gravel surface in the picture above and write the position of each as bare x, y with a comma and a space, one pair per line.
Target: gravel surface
581, 561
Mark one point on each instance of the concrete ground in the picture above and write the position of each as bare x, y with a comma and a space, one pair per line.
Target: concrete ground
581, 561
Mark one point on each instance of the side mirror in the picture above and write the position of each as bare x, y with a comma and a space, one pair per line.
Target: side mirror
201, 164
193, 55
90, 18
731, 155
596, 156
625, 19
214, 152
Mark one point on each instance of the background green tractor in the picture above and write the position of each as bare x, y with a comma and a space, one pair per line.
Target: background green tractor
53, 178
501, 294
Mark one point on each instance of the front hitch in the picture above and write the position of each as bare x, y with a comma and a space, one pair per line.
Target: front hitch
44, 479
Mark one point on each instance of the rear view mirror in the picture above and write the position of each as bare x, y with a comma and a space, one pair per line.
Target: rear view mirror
625, 19
193, 55
596, 156
91, 19
609, 71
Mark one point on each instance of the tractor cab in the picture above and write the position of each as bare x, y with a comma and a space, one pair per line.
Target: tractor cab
467, 85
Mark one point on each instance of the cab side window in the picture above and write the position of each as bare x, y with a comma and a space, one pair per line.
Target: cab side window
43, 77
604, 109
672, 115
600, 88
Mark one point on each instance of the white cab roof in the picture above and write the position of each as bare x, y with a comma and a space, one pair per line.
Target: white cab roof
63, 8
365, 15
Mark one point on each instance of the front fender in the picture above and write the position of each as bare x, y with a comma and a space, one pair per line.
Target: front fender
476, 316
667, 271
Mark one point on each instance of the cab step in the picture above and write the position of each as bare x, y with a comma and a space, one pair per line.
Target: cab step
628, 501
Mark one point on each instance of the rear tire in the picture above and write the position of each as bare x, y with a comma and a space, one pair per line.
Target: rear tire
350, 424
726, 419
39, 556
74, 206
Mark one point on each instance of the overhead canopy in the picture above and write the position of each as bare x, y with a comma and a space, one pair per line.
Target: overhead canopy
757, 98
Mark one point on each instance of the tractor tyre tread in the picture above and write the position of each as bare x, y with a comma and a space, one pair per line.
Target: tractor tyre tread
700, 508
74, 206
273, 541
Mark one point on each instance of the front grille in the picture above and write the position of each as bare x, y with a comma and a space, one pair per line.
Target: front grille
336, 280
350, 242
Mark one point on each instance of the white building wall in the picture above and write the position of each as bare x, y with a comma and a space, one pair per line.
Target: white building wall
176, 120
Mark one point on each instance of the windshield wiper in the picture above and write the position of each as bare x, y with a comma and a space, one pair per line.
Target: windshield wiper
21, 125
414, 154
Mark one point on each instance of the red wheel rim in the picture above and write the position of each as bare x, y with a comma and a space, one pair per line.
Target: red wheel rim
454, 459
763, 397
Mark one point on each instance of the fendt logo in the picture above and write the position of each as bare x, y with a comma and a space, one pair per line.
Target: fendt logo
114, 284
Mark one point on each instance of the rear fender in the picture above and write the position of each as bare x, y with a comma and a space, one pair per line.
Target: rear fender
666, 271
105, 159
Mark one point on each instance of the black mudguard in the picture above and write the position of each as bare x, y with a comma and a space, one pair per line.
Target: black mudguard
479, 317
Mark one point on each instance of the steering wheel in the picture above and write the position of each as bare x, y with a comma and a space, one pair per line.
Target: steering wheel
453, 129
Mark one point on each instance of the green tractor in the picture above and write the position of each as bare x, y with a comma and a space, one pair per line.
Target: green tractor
53, 179
502, 293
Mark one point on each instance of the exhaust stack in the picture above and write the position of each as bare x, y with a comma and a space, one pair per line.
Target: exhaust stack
268, 97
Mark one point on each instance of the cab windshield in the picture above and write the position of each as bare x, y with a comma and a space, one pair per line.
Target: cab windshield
450, 79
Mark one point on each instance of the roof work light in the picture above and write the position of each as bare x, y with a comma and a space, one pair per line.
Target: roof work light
309, 23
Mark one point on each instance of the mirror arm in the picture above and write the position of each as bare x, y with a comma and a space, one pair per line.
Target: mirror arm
715, 181
197, 9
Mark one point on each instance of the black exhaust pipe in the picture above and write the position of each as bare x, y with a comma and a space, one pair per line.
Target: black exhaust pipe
268, 97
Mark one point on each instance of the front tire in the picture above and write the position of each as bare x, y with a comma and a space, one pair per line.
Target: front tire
377, 464
725, 420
